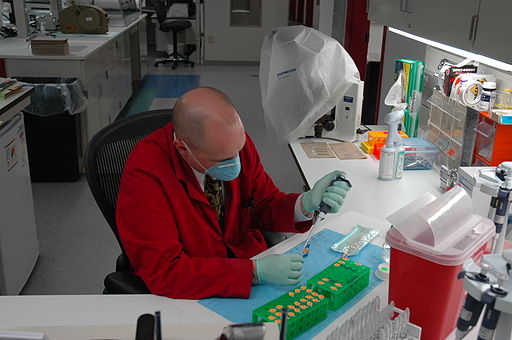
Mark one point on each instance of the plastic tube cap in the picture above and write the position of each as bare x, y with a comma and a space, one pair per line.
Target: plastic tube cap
382, 271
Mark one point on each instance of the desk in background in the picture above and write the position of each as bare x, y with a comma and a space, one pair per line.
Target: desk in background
105, 64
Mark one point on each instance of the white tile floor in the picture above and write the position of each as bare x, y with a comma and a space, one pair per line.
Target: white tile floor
77, 247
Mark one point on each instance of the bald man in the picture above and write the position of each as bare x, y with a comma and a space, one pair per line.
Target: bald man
192, 201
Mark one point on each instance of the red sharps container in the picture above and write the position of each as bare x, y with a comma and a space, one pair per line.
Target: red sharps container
430, 240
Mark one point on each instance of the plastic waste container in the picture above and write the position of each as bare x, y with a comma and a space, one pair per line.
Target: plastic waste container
430, 241
52, 123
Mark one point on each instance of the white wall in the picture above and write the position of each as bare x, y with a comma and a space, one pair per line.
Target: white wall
225, 43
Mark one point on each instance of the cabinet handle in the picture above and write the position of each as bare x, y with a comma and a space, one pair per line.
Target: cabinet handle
106, 74
404, 6
472, 29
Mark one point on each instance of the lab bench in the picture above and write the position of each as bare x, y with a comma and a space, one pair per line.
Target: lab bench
369, 195
104, 63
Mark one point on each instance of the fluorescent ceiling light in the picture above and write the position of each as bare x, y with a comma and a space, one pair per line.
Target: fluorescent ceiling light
477, 57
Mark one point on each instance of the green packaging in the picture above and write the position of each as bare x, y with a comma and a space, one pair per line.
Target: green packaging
413, 79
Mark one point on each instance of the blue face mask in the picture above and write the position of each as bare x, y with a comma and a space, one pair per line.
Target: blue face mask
226, 170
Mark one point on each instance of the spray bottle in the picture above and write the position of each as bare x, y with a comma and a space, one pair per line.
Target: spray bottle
392, 154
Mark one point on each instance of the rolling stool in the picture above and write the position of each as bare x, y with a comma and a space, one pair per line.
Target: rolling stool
175, 58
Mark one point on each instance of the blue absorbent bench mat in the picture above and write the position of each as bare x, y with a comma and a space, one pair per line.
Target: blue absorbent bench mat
320, 256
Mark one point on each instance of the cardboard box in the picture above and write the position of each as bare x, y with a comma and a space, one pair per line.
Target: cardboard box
49, 46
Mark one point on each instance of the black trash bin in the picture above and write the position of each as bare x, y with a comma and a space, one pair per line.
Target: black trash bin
52, 125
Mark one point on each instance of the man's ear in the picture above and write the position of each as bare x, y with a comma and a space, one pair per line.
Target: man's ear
179, 145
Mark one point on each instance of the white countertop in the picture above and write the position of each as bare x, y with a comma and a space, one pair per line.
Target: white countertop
81, 46
45, 313
14, 104
114, 316
369, 195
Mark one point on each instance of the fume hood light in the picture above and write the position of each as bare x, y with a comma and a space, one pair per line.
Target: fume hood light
477, 57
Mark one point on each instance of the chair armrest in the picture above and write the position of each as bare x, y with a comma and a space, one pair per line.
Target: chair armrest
124, 283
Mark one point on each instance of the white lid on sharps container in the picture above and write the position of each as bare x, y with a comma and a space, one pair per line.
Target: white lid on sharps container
443, 230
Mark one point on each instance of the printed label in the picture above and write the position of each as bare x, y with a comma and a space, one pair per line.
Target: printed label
465, 314
485, 333
386, 165
11, 153
399, 165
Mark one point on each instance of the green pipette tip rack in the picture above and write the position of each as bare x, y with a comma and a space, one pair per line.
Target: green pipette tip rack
341, 281
308, 305
306, 308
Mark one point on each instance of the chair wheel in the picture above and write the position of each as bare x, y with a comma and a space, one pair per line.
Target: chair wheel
173, 67
156, 64
192, 64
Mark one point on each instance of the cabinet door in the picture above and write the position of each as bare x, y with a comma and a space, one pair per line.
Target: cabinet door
124, 71
448, 22
392, 13
94, 122
492, 35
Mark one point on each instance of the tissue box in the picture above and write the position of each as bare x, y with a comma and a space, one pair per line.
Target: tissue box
420, 154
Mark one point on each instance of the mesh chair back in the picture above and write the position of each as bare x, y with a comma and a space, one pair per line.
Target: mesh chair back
160, 9
107, 153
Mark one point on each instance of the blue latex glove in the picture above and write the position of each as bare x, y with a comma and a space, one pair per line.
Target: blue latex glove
281, 269
333, 195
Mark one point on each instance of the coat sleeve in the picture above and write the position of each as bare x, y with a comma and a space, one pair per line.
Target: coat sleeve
274, 210
150, 237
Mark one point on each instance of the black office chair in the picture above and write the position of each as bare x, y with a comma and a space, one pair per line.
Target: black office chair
105, 158
175, 26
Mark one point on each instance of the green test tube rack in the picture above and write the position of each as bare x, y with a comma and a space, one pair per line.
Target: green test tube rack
341, 281
306, 308
308, 305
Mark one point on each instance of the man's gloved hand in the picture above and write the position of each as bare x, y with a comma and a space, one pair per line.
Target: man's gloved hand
333, 195
282, 269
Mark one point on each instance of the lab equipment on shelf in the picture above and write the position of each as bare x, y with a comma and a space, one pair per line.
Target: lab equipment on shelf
437, 235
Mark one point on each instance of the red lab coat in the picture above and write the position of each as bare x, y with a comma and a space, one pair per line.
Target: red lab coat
170, 231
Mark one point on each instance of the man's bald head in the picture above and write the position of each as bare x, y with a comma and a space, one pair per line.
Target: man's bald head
197, 109
207, 121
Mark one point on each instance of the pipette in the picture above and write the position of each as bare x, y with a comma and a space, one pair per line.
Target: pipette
319, 215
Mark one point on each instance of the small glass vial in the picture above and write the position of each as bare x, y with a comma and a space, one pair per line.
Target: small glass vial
488, 96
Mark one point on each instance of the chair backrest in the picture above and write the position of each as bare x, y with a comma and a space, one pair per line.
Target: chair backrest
160, 9
107, 153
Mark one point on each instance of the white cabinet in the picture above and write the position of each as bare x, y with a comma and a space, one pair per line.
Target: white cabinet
124, 72
450, 22
493, 37
393, 13
471, 25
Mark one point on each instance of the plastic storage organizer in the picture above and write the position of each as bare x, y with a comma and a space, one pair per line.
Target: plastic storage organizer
308, 305
420, 154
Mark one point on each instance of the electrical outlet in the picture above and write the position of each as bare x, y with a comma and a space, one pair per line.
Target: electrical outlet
210, 39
